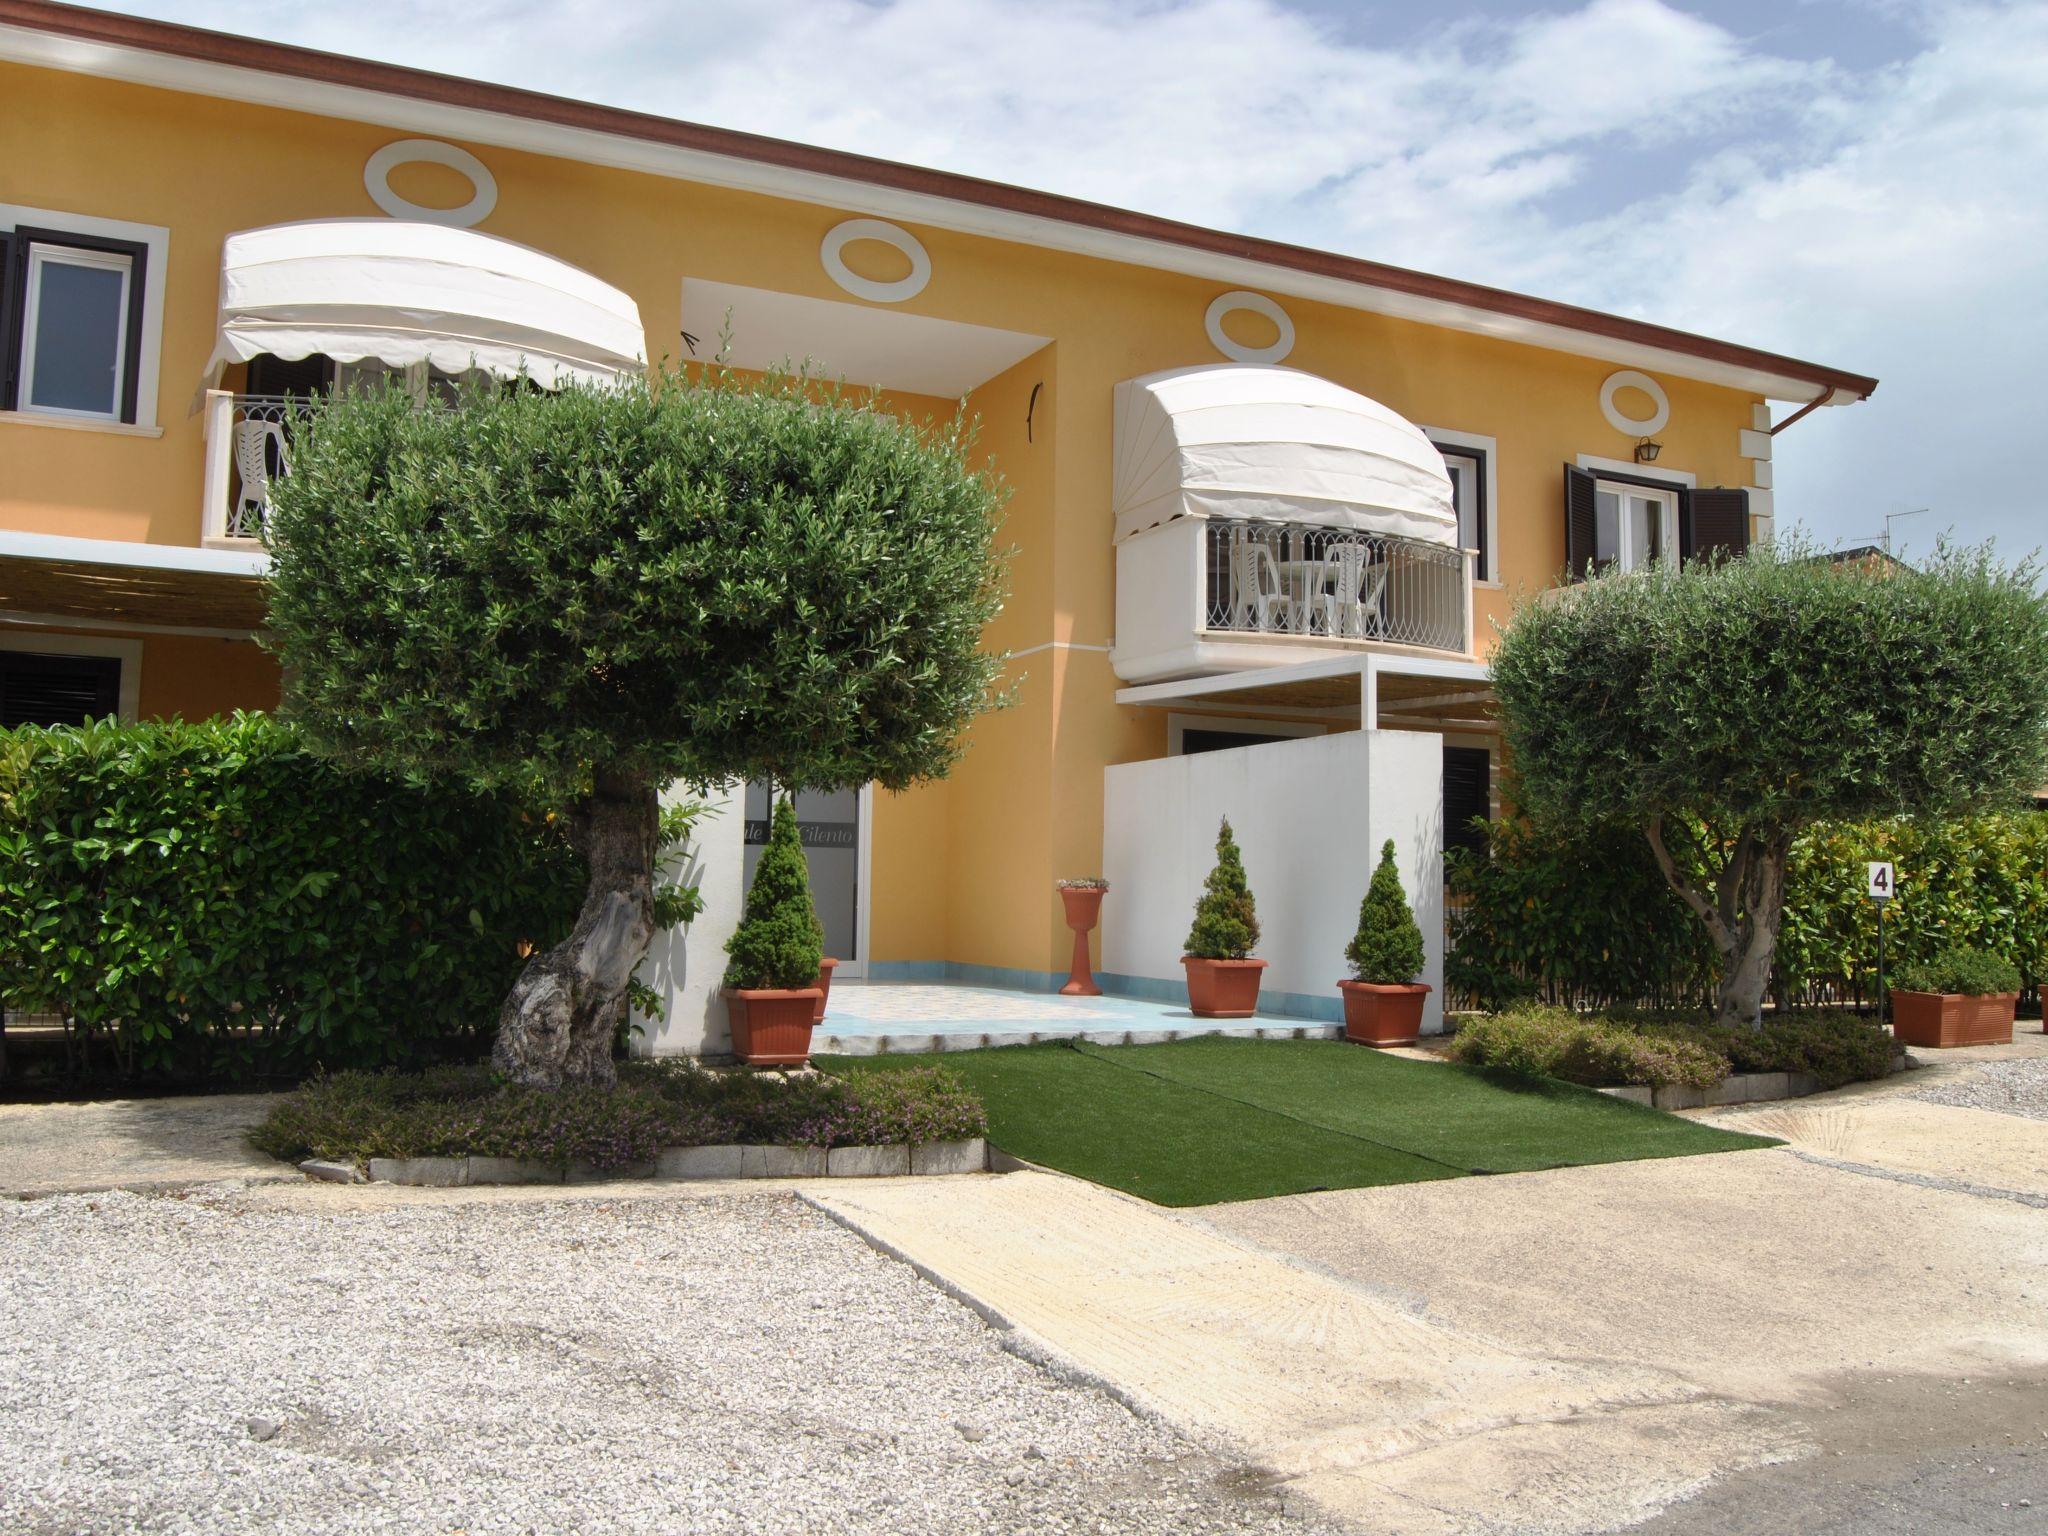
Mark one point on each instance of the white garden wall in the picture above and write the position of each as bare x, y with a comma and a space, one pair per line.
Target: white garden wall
1310, 816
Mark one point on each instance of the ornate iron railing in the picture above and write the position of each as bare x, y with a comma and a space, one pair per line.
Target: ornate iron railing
1336, 583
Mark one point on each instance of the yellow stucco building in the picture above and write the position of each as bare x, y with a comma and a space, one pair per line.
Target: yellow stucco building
1260, 494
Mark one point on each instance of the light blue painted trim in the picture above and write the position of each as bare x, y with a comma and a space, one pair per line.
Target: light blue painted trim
1323, 1008
1286, 1005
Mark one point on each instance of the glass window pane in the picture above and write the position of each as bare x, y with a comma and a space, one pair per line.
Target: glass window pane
1606, 526
1642, 538
79, 314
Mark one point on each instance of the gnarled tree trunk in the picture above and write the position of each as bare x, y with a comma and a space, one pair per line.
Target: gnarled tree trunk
1741, 914
558, 1024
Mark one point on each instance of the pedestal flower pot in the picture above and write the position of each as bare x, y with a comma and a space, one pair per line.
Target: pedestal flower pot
1382, 1015
771, 1027
1084, 907
825, 970
1222, 989
1953, 1018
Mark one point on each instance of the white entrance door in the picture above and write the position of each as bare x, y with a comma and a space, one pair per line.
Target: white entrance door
835, 836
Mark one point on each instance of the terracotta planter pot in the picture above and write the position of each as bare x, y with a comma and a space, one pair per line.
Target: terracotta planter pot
1084, 907
771, 1027
1382, 1015
1953, 1018
1222, 989
825, 970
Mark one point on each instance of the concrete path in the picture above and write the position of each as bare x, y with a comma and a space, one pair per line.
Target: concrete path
131, 1144
1571, 1351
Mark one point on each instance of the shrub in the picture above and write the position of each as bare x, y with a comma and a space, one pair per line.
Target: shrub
1387, 949
1666, 1049
1833, 1046
1959, 969
1551, 1042
779, 942
1226, 918
460, 1112
1585, 919
212, 901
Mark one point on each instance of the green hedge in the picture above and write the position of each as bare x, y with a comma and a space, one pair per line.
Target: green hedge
467, 1112
1586, 920
212, 902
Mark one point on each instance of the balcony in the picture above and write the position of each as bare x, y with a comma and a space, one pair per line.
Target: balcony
245, 456
1198, 596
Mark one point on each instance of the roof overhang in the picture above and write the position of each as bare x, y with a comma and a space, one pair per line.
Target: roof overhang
217, 64
858, 343
1377, 689
107, 583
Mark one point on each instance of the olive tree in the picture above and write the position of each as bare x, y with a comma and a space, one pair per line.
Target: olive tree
596, 592
1721, 707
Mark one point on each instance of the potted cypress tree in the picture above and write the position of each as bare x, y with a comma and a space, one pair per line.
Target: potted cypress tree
1383, 1004
1961, 997
771, 991
1223, 979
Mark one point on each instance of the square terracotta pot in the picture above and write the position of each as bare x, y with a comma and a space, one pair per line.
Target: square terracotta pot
1376, 1014
771, 1027
1936, 1019
1222, 989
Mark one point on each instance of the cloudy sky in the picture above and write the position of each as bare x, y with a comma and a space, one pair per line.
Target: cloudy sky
1859, 182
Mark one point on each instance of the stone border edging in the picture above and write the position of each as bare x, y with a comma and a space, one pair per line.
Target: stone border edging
730, 1161
1736, 1088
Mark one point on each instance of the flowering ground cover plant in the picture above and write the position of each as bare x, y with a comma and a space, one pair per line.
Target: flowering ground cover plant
469, 1111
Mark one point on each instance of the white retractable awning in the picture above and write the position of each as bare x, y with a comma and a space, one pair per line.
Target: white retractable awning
1239, 441
404, 293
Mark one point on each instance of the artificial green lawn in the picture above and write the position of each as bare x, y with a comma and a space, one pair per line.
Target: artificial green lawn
1207, 1120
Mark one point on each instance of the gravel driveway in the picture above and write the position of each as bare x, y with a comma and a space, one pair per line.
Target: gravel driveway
212, 1362
2009, 1087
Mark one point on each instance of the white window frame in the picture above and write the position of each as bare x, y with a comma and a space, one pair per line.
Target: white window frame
1488, 451
1672, 480
156, 239
1177, 726
1626, 557
41, 256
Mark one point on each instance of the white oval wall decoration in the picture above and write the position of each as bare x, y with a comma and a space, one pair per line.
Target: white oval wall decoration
1644, 426
1228, 303
909, 286
377, 182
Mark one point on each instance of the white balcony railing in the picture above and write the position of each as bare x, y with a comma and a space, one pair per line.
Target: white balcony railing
1336, 584
245, 456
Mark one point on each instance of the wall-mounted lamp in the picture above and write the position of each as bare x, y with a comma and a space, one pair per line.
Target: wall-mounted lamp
1647, 451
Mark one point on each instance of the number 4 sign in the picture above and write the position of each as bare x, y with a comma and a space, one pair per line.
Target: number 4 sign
1883, 885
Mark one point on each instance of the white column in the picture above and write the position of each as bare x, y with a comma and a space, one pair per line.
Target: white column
684, 965
220, 452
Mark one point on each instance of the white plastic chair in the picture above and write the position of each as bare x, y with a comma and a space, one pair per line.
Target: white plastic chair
1351, 606
254, 439
1255, 585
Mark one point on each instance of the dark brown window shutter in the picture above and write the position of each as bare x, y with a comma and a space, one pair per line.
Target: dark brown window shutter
11, 251
1714, 521
1580, 533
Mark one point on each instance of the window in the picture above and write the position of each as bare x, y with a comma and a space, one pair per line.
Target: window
1468, 796
41, 689
1468, 493
1633, 525
1216, 733
71, 318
